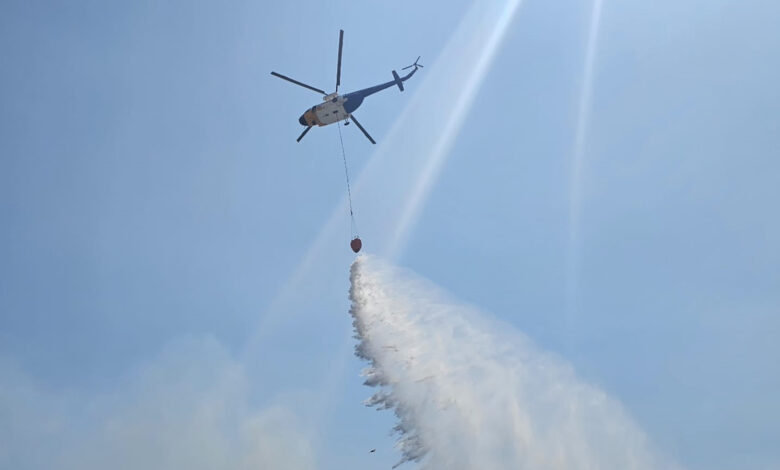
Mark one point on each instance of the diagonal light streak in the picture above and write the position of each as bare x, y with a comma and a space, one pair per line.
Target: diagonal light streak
575, 186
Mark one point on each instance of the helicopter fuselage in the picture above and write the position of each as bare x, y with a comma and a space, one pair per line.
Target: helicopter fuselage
335, 107
327, 112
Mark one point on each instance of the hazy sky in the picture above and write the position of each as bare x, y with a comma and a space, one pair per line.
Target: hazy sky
165, 241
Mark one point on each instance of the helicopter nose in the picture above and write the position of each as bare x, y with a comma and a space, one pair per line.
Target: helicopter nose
302, 120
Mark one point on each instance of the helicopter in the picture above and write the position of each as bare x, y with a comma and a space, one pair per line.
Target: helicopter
335, 107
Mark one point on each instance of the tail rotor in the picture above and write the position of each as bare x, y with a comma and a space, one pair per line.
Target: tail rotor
415, 65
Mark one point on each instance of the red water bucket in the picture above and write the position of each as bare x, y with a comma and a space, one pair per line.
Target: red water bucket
356, 244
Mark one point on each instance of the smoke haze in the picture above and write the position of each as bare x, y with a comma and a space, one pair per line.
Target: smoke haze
188, 408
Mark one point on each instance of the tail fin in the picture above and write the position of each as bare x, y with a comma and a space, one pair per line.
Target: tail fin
398, 81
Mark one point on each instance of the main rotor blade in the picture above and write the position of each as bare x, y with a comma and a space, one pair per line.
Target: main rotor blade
338, 68
298, 83
361, 128
303, 134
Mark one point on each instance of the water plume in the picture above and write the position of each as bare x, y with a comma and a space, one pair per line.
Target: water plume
471, 392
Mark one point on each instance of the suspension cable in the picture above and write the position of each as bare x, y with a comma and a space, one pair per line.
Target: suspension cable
346, 173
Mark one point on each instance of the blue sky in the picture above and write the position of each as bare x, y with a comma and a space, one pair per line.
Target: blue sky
156, 209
